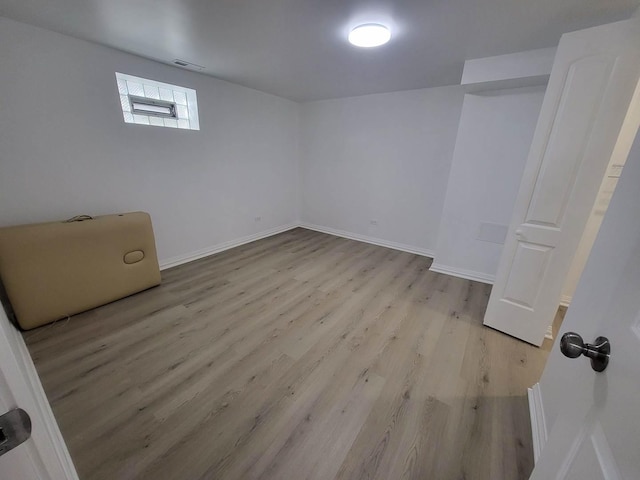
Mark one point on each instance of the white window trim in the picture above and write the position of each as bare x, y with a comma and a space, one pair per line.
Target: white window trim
192, 120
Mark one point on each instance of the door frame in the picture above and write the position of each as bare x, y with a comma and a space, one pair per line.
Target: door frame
48, 452
529, 321
629, 133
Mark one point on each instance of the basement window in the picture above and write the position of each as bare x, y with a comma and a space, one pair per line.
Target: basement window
147, 102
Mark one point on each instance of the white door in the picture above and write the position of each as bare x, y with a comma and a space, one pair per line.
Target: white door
594, 77
595, 424
44, 456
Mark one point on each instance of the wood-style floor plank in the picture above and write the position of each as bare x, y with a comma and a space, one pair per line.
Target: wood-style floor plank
300, 356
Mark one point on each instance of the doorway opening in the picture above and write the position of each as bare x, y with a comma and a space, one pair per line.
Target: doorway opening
608, 186
592, 227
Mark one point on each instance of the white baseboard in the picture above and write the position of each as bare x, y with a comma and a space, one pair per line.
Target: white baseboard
462, 273
366, 239
205, 252
538, 424
565, 300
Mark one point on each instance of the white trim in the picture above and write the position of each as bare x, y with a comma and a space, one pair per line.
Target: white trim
462, 273
549, 333
46, 449
205, 252
538, 423
366, 239
565, 300
125, 83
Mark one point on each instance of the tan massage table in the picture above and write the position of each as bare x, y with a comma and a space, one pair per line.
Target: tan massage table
57, 269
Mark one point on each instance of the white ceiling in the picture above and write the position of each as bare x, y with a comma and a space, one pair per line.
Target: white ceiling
298, 49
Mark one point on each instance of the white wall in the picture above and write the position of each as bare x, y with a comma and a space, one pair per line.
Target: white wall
382, 158
494, 136
520, 68
65, 150
375, 166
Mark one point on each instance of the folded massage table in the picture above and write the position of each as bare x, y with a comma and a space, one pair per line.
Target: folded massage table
57, 269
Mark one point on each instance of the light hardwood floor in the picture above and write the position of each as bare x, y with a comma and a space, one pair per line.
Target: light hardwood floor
300, 356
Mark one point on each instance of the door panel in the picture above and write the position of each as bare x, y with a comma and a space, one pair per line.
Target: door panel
593, 417
523, 290
593, 459
580, 100
594, 77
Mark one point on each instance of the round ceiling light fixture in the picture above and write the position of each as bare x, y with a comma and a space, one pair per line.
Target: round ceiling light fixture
369, 35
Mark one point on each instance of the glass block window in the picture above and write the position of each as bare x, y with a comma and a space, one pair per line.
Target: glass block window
147, 102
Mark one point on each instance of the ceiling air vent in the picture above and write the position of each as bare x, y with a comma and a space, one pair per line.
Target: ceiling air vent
189, 65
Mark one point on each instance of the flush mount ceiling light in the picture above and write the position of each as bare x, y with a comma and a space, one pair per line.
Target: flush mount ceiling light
369, 35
